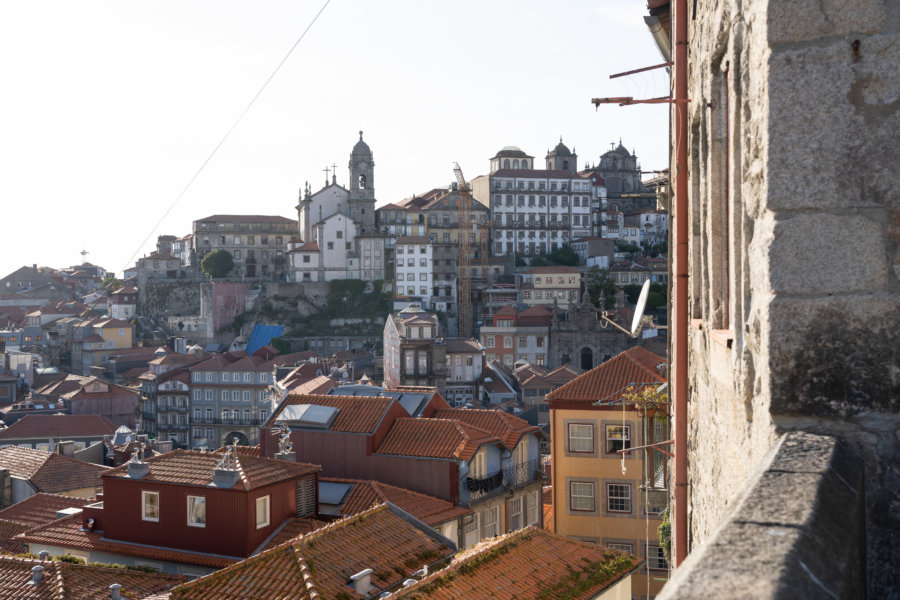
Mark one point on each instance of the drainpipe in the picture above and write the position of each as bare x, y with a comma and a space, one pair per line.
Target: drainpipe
680, 300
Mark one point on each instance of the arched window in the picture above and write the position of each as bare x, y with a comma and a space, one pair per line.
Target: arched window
516, 164
524, 164
362, 182
506, 163
566, 165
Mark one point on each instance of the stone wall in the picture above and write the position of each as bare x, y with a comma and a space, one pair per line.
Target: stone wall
794, 181
163, 297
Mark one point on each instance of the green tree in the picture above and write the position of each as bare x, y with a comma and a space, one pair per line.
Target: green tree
600, 286
564, 255
217, 263
632, 292
110, 282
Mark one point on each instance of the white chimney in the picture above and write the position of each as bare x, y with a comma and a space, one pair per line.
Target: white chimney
37, 573
362, 582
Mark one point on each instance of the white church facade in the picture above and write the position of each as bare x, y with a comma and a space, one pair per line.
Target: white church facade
338, 239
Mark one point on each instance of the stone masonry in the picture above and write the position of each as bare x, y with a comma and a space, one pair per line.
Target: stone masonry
794, 178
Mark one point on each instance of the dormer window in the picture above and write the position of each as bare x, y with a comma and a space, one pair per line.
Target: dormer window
150, 510
196, 511
262, 512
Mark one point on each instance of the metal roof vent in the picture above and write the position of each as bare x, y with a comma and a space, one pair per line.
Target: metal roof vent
44, 555
137, 468
114, 592
37, 573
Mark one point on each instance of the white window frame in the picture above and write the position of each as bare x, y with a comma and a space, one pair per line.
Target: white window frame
580, 438
191, 502
531, 509
657, 560
616, 433
490, 522
613, 493
263, 501
516, 514
586, 491
145, 494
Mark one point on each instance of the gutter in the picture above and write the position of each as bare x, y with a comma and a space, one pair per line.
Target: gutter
679, 325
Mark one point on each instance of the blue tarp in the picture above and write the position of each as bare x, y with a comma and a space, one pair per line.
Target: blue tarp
262, 335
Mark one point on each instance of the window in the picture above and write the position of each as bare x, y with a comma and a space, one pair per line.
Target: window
581, 437
490, 523
423, 363
531, 509
331, 245
618, 437
477, 466
489, 341
618, 497
339, 234
515, 514
399, 276
523, 341
306, 258
619, 546
209, 395
248, 377
226, 395
150, 502
656, 558
209, 416
196, 510
262, 512
197, 415
226, 376
581, 496
507, 341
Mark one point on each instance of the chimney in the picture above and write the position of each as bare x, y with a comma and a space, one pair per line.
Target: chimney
225, 478
362, 582
37, 573
138, 469
44, 554
114, 593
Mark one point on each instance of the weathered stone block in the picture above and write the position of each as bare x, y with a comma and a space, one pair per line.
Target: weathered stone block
804, 20
826, 253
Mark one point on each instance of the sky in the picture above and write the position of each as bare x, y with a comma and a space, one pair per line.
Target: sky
110, 108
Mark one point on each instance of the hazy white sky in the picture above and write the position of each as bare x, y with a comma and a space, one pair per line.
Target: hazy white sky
108, 108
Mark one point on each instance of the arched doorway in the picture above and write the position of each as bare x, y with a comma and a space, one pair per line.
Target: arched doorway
241, 439
565, 359
587, 359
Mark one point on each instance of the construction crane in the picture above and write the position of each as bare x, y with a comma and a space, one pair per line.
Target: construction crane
463, 263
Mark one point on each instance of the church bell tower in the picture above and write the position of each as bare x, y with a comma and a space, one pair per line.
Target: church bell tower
362, 185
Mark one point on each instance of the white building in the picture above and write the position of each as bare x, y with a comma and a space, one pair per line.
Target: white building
413, 257
535, 211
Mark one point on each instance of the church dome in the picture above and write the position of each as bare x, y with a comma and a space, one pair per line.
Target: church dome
361, 147
561, 149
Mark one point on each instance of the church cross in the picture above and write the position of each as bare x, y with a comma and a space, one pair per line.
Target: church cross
334, 172
327, 171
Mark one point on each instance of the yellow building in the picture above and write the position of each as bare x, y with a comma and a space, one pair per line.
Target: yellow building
600, 494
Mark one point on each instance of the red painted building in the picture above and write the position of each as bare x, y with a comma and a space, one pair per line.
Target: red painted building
184, 500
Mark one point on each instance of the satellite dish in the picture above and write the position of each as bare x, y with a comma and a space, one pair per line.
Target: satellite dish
640, 307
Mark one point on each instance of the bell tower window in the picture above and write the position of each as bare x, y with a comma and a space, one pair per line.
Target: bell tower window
362, 181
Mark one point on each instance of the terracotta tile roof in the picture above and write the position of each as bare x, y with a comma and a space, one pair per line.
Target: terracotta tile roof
319, 564
435, 438
64, 581
193, 467
58, 426
463, 347
499, 423
551, 270
367, 493
319, 385
9, 544
607, 381
292, 528
50, 472
40, 509
530, 563
407, 240
356, 414
69, 533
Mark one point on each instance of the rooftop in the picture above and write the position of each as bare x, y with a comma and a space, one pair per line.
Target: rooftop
608, 381
435, 438
50, 472
364, 494
355, 414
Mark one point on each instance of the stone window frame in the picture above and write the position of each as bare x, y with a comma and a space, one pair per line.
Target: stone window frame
630, 542
645, 545
579, 453
632, 513
595, 483
634, 436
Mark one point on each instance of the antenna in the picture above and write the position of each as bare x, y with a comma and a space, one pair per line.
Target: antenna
639, 320
639, 308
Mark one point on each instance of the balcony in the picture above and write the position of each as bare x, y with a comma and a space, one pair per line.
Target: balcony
510, 477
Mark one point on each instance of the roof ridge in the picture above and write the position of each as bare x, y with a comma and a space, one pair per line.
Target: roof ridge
305, 572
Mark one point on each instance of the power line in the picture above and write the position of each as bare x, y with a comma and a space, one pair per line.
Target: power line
226, 136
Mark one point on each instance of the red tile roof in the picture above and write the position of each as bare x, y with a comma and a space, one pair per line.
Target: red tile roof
367, 493
193, 467
58, 427
40, 509
531, 563
292, 528
319, 564
550, 270
69, 533
50, 472
356, 414
64, 581
319, 385
435, 438
607, 381
498, 423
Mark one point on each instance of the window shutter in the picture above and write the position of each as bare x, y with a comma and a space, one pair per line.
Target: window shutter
506, 517
306, 497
